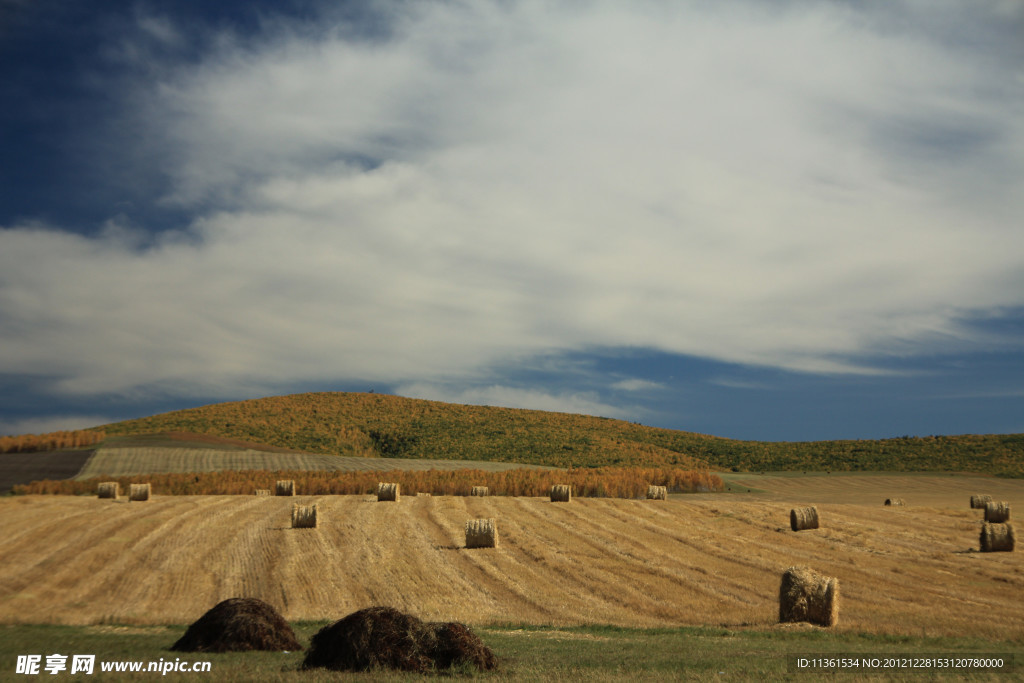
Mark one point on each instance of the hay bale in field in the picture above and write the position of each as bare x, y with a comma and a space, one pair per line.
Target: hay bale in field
997, 538
480, 491
304, 516
239, 625
481, 533
805, 595
422, 495
384, 638
139, 492
657, 492
108, 489
997, 512
388, 492
894, 501
561, 493
285, 487
978, 501
803, 518
262, 492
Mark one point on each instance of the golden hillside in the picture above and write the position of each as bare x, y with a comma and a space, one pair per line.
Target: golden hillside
356, 424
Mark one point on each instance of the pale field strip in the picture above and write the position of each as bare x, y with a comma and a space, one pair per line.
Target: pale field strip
701, 559
916, 489
142, 460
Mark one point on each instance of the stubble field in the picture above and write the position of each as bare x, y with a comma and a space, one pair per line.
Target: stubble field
708, 559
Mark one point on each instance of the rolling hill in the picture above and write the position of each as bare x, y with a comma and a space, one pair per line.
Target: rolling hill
380, 425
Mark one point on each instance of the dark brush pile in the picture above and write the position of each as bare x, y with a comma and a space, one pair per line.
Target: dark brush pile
384, 638
238, 625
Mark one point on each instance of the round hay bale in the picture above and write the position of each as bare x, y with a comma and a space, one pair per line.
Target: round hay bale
139, 492
285, 487
388, 492
561, 493
805, 595
481, 491
108, 489
481, 533
657, 492
978, 501
803, 518
262, 492
997, 512
894, 501
238, 625
304, 516
383, 637
997, 538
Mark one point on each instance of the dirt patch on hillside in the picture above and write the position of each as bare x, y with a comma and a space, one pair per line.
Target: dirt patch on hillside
22, 468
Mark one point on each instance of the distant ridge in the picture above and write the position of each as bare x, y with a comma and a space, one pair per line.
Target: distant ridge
382, 425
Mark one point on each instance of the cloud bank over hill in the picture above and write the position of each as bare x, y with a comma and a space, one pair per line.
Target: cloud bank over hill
439, 189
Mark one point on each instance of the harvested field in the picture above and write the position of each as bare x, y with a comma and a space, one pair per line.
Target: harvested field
133, 460
697, 560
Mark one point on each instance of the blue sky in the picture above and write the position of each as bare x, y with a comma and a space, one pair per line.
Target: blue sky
781, 221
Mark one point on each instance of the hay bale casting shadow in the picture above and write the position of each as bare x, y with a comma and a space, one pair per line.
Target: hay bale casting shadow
978, 501
238, 625
657, 492
808, 596
561, 493
803, 518
997, 538
108, 489
997, 512
383, 637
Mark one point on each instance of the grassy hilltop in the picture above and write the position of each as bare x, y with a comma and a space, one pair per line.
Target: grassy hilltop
380, 425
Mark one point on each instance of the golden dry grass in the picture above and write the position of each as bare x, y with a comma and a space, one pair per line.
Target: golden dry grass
696, 560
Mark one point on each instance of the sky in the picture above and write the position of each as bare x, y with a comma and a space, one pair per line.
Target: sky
777, 220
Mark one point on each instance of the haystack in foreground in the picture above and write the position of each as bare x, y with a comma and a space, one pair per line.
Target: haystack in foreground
383, 637
238, 625
808, 596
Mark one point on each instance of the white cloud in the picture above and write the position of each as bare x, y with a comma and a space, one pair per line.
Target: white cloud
780, 187
583, 403
636, 385
45, 425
